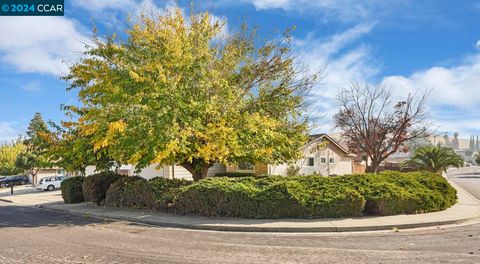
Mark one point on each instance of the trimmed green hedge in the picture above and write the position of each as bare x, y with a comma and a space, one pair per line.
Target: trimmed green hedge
126, 192
95, 186
314, 196
161, 192
72, 191
135, 192
392, 192
386, 193
269, 197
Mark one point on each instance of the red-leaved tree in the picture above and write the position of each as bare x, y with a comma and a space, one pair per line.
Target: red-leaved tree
377, 125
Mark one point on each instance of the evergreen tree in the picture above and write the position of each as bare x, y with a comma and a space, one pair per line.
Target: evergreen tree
446, 140
33, 158
477, 145
455, 142
35, 130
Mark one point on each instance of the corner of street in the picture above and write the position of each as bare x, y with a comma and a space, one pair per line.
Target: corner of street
85, 238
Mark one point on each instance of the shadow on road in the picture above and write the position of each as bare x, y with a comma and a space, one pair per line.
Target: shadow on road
20, 216
468, 177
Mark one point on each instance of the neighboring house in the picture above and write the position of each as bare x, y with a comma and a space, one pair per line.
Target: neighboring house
394, 162
321, 155
177, 172
48, 172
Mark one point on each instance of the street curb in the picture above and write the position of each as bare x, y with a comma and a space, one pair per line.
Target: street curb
253, 229
246, 227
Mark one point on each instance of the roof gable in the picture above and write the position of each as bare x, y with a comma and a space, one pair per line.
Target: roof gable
319, 137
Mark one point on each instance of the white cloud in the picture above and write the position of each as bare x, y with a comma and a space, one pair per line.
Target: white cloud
32, 86
345, 10
456, 89
7, 132
342, 60
128, 6
455, 95
269, 4
40, 44
95, 5
456, 86
112, 14
136, 8
477, 45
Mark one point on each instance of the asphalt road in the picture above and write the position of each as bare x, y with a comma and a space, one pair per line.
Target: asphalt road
32, 235
468, 178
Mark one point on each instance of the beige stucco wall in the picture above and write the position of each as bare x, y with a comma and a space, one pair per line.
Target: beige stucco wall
280, 169
165, 171
342, 163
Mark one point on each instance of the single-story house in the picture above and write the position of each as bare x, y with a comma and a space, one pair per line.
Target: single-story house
172, 171
49, 172
322, 155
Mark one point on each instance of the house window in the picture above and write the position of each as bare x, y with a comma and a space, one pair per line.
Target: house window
309, 162
60, 172
332, 160
246, 166
323, 160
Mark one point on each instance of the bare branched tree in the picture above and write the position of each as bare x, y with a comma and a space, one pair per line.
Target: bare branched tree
376, 125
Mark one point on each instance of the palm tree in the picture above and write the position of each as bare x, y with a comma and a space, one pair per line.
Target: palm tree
434, 159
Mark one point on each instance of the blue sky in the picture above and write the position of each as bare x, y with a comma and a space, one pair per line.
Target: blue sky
407, 45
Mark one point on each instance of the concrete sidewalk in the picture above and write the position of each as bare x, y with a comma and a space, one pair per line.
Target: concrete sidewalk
467, 209
18, 189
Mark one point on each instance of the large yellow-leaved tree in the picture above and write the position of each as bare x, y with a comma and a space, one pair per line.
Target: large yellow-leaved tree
181, 91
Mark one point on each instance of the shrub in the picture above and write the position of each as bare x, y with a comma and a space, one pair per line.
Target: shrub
216, 196
72, 191
234, 174
268, 197
431, 191
386, 193
161, 192
126, 192
95, 187
135, 192
391, 192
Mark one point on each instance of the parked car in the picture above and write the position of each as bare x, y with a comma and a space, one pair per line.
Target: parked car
50, 183
13, 180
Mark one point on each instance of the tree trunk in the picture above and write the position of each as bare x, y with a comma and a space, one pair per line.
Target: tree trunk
373, 167
198, 168
34, 174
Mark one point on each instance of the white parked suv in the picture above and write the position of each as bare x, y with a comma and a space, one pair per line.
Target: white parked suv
50, 183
